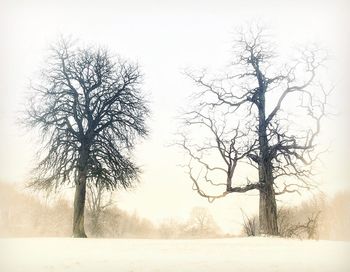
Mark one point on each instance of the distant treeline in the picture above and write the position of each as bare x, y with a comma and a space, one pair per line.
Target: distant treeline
23, 214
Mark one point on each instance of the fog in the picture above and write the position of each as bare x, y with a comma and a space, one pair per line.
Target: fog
28, 214
165, 38
160, 221
24, 213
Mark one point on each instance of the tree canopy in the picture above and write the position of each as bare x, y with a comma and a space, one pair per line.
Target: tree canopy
89, 109
263, 113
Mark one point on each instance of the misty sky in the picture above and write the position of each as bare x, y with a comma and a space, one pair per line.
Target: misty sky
166, 37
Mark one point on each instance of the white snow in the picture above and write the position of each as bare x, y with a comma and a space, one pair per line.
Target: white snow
236, 254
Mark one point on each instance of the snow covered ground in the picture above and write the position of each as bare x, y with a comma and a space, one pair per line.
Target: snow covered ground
236, 254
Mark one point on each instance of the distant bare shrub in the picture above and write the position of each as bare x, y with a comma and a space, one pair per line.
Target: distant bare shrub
250, 225
289, 226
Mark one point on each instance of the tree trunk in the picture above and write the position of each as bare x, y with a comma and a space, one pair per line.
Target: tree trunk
268, 211
267, 203
79, 205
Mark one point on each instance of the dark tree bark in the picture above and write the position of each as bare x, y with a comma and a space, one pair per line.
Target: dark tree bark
80, 194
267, 202
79, 205
268, 211
89, 109
255, 94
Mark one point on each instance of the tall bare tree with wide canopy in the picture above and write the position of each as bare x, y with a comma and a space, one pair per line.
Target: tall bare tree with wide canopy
263, 115
89, 109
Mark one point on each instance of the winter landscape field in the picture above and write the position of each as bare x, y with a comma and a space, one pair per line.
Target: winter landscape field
174, 136
236, 254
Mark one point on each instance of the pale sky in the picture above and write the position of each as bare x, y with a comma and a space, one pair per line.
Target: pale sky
166, 37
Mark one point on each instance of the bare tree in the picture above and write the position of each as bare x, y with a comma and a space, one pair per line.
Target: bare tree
201, 222
89, 109
261, 114
171, 228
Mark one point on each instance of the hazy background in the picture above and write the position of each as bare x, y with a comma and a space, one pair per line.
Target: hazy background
165, 37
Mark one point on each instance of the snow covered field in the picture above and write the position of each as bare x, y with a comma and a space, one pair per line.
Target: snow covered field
237, 254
